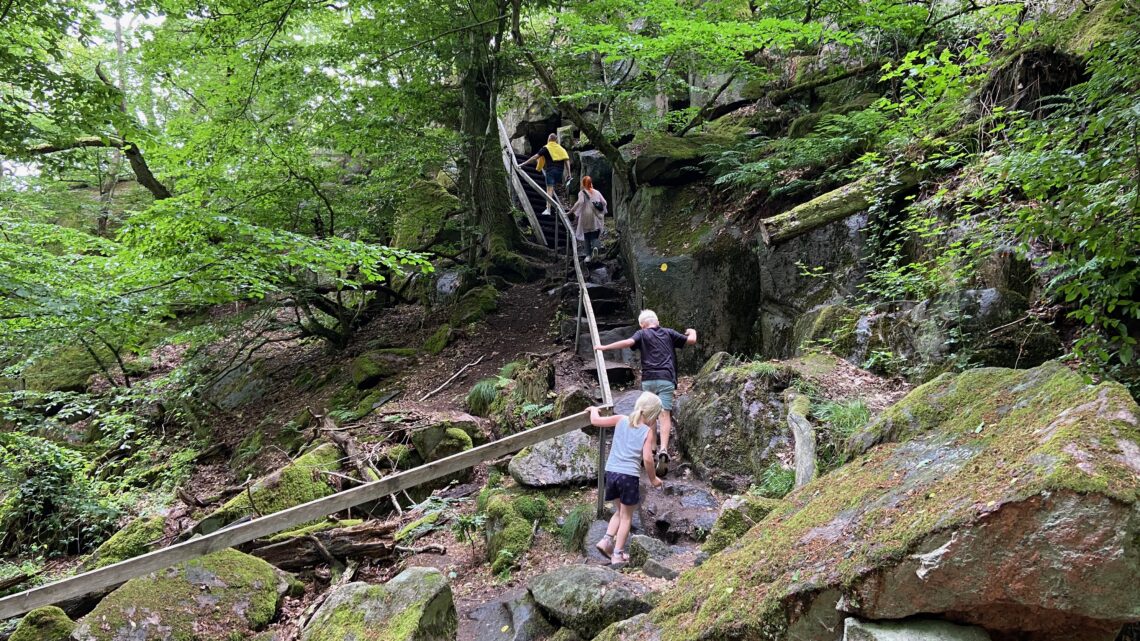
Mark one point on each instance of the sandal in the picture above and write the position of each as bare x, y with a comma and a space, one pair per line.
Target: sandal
606, 546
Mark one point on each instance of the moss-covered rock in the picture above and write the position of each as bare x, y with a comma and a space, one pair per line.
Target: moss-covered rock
48, 623
426, 207
1002, 498
804, 125
299, 482
734, 417
474, 305
439, 340
510, 524
587, 598
737, 516
830, 326
503, 262
67, 370
662, 159
416, 605
137, 538
223, 596
567, 460
369, 369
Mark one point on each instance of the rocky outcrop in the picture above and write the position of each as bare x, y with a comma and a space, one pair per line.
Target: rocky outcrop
1006, 499
218, 597
587, 598
735, 417
568, 460
680, 510
372, 367
988, 326
416, 605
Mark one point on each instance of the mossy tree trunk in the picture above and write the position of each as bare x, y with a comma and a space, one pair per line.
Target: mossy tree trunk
837, 204
483, 185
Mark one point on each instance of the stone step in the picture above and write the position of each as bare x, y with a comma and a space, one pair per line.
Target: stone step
618, 373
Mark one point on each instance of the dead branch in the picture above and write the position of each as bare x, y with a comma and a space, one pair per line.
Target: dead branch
453, 377
434, 548
371, 539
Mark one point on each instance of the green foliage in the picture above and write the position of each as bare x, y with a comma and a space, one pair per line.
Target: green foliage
1077, 169
776, 166
841, 420
483, 394
575, 527
466, 527
775, 482
50, 506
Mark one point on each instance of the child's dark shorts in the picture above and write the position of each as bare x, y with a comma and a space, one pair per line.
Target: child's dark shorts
623, 487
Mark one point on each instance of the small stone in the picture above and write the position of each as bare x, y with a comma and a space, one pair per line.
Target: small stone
642, 548
658, 569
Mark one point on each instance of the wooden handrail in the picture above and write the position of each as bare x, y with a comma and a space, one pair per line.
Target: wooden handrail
113, 575
584, 298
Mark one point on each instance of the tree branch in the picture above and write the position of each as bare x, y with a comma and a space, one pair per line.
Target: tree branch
700, 116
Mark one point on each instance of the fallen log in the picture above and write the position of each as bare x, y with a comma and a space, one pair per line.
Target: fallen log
372, 540
837, 204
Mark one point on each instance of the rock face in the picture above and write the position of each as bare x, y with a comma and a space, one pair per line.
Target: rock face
1000, 498
734, 421
414, 606
737, 515
44, 624
570, 459
299, 482
216, 597
985, 326
588, 598
918, 630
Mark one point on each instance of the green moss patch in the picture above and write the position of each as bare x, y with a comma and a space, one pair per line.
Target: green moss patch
439, 340
136, 539
736, 518
510, 524
369, 369
474, 305
323, 526
48, 623
951, 452
222, 596
416, 605
426, 208
67, 370
299, 482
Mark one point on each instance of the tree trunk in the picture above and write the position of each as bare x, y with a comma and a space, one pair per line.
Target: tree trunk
483, 184
837, 204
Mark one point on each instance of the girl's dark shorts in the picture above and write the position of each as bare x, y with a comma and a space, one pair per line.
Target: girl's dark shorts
623, 487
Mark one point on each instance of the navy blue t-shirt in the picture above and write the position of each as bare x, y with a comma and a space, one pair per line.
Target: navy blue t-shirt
658, 358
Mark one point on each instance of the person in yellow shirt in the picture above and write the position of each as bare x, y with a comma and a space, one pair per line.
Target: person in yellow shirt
553, 160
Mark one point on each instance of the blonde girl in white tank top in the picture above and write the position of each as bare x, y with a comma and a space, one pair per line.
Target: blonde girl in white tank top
632, 450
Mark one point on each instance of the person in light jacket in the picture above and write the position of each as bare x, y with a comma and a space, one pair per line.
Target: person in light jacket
590, 211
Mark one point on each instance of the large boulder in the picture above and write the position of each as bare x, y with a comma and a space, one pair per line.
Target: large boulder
222, 596
587, 598
737, 515
1006, 499
680, 510
370, 368
425, 211
735, 418
299, 482
570, 459
416, 605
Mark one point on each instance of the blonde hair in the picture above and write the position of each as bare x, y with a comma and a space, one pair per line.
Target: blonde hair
645, 410
647, 317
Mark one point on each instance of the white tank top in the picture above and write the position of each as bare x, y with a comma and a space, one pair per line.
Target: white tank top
625, 451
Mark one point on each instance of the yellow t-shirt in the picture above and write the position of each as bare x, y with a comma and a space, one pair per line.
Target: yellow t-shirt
557, 154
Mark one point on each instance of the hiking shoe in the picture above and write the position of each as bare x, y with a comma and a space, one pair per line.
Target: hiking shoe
619, 560
606, 546
662, 467
545, 212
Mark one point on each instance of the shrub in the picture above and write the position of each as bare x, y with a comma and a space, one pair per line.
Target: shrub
51, 507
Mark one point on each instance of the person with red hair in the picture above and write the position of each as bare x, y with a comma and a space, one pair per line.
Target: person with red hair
590, 210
